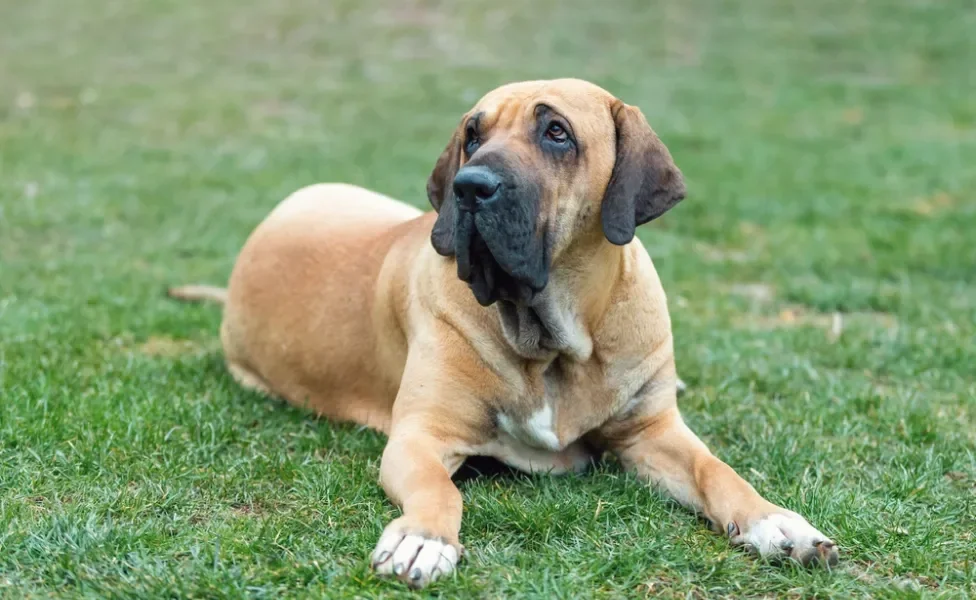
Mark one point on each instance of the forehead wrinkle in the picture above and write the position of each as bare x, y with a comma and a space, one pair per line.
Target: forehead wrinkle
505, 103
508, 111
586, 107
590, 119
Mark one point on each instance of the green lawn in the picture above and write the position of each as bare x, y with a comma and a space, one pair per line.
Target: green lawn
830, 152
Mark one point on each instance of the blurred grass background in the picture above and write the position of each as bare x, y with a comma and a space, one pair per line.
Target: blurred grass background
829, 149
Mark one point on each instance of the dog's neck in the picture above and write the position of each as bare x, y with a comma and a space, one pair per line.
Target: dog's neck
560, 319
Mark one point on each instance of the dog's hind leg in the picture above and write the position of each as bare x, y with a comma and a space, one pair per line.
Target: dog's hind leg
210, 293
248, 379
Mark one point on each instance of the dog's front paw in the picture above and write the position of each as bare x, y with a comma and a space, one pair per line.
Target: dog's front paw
784, 534
413, 555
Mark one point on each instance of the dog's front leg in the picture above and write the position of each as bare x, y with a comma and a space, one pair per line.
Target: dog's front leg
663, 450
437, 420
422, 544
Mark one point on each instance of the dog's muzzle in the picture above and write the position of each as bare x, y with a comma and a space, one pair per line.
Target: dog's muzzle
499, 247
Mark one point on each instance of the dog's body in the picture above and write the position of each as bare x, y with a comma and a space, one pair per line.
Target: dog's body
323, 314
521, 321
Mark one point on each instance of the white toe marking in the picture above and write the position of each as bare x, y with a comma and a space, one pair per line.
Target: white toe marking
765, 537
385, 568
769, 534
415, 559
383, 554
796, 527
406, 552
435, 559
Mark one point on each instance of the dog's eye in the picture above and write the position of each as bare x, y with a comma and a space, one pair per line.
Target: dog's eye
556, 133
471, 141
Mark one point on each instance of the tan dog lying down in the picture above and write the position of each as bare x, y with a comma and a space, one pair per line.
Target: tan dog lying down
521, 320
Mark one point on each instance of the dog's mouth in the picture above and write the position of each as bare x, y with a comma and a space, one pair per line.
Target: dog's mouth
486, 262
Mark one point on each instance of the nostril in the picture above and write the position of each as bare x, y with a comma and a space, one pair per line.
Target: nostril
485, 190
476, 184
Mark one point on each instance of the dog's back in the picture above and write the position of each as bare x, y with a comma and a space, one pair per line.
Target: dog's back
288, 330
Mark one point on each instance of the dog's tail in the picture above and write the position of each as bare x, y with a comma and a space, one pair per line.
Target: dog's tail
198, 293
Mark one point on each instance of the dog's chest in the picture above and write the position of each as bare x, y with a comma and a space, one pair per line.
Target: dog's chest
556, 408
538, 430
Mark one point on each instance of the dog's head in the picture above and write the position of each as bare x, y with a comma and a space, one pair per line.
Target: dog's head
535, 167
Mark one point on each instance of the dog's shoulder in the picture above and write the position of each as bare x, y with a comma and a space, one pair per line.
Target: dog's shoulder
637, 311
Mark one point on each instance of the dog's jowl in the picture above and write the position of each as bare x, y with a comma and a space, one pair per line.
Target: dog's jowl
521, 319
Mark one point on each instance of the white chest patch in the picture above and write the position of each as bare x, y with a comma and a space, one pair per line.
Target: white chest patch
537, 431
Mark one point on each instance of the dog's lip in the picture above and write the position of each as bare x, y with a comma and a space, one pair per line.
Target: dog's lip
466, 205
464, 240
488, 280
467, 235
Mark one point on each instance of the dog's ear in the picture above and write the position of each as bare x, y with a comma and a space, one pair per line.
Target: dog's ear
440, 192
645, 182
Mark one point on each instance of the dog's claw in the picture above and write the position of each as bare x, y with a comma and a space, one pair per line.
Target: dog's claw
732, 529
827, 552
786, 534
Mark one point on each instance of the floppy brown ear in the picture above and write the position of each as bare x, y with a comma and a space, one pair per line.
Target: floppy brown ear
440, 192
645, 182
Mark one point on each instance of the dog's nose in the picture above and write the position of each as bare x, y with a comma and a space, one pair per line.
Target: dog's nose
475, 186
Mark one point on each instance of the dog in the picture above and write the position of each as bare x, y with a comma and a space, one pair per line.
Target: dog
520, 319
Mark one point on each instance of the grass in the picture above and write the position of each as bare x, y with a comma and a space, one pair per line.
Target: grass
830, 150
